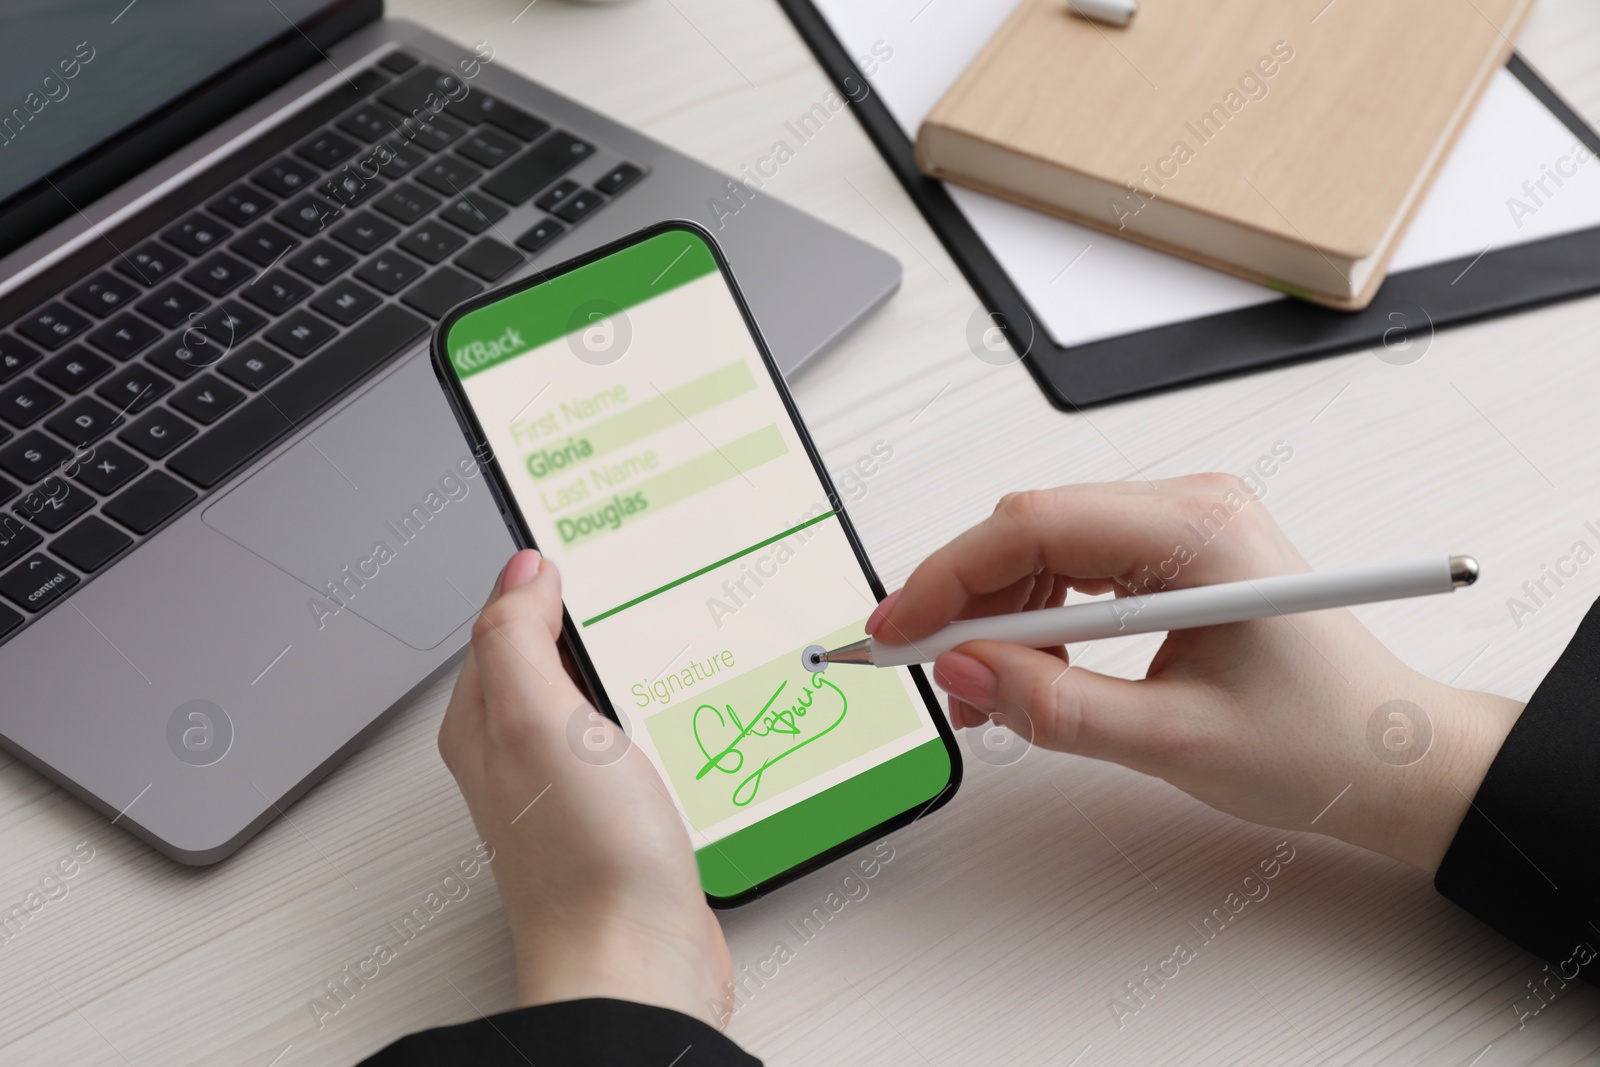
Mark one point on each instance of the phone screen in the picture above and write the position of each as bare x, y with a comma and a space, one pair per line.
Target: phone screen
640, 431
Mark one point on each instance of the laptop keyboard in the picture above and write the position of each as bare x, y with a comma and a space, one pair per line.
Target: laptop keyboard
128, 397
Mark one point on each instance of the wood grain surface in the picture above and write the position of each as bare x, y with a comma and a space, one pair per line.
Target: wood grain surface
1005, 926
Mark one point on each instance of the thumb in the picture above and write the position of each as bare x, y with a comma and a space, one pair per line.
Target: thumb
1064, 707
526, 690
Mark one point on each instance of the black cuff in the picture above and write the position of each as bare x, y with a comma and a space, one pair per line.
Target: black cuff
1524, 859
570, 1034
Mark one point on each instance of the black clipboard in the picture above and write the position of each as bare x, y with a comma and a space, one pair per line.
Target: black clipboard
1410, 305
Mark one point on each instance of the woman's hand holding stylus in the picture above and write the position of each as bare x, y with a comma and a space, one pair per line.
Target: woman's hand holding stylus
1267, 720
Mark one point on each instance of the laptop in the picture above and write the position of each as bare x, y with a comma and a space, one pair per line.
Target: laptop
238, 524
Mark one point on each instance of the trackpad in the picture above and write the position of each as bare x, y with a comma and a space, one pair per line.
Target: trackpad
380, 511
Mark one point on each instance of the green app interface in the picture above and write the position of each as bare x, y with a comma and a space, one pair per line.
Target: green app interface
652, 457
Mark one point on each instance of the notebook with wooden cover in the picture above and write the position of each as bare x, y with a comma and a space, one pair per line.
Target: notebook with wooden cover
1286, 142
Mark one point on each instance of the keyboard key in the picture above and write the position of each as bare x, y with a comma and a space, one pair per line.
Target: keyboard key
82, 421
434, 133
325, 149
8, 489
243, 434
406, 203
345, 302
9, 620
482, 107
101, 295
220, 273
254, 365
264, 245
440, 291
397, 159
242, 205
397, 62
52, 325
26, 402
350, 187
301, 334
473, 215
15, 356
223, 327
578, 206
134, 388
150, 264
74, 369
285, 177
389, 272
366, 122
537, 167
157, 433
540, 235
618, 178
413, 91
365, 83
207, 399
449, 175
36, 582
182, 354
309, 215
124, 336
32, 456
91, 544
172, 305
54, 504
106, 467
276, 292
365, 232
488, 147
556, 193
321, 262
149, 502
432, 241
196, 234
16, 540
489, 259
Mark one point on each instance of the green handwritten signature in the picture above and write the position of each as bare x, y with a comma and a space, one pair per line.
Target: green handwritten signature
781, 722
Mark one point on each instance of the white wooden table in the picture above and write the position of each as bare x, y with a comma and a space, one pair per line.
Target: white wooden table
1004, 927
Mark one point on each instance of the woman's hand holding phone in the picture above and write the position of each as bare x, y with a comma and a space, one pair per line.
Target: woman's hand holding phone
594, 866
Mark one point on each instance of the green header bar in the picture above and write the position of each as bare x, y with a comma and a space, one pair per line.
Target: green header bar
507, 328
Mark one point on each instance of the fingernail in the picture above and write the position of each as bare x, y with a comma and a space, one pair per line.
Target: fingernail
881, 612
966, 679
521, 569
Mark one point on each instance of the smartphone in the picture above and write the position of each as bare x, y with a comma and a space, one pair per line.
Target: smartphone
635, 430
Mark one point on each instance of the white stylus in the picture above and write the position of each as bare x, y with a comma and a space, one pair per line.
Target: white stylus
1178, 609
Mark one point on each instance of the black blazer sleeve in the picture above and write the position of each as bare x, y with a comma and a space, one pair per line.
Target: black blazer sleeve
1526, 859
616, 1033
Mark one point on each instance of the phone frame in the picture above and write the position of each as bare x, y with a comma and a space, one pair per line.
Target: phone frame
504, 499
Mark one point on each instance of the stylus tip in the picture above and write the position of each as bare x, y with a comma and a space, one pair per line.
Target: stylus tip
815, 658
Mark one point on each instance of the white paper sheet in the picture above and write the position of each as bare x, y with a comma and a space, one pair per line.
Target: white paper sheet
1086, 286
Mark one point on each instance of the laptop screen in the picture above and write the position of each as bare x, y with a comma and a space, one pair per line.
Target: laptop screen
77, 75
